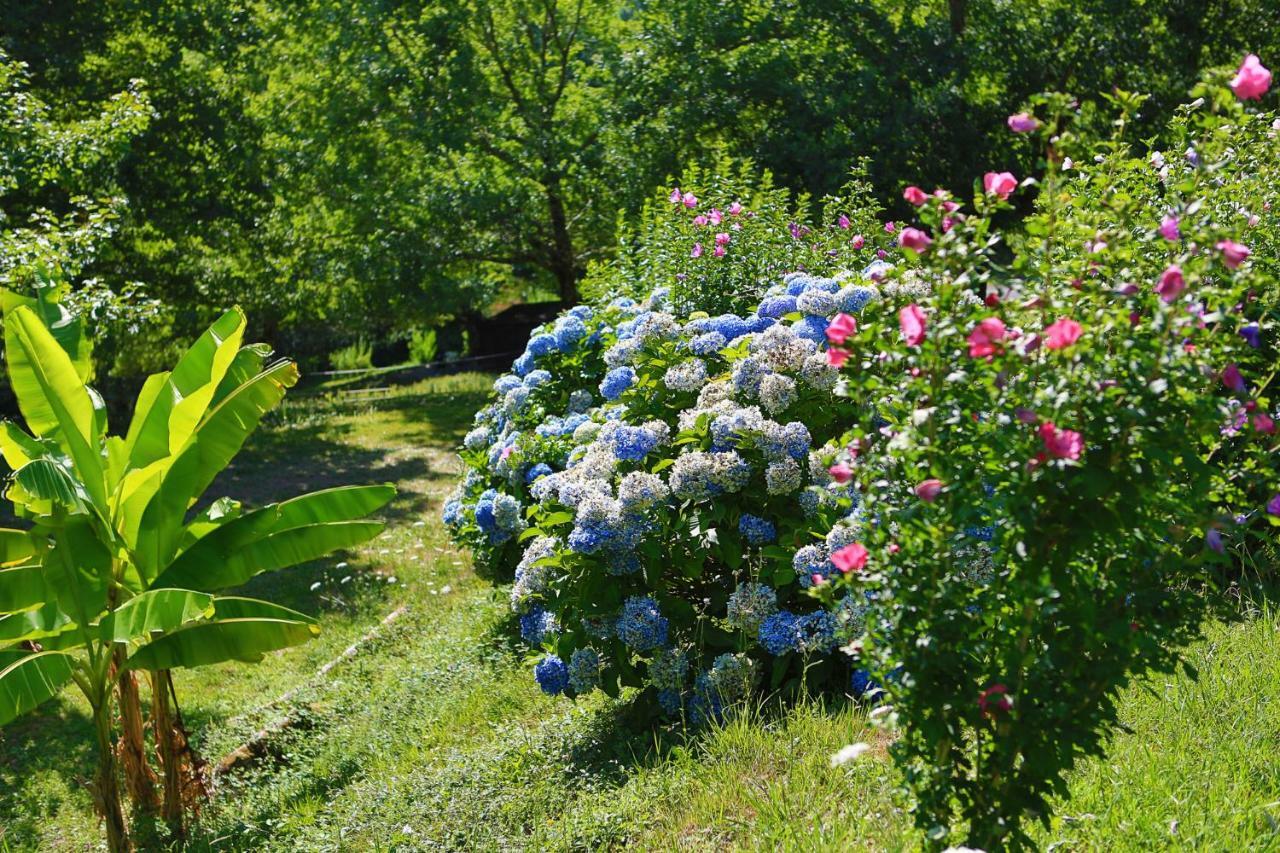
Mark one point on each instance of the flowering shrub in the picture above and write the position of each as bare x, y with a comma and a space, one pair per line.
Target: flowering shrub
1004, 472
1060, 472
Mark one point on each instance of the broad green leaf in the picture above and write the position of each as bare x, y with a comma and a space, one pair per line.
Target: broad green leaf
156, 610
22, 588
210, 568
67, 329
241, 629
30, 680
215, 442
52, 396
18, 447
147, 399
181, 402
246, 365
36, 624
15, 546
78, 569
45, 483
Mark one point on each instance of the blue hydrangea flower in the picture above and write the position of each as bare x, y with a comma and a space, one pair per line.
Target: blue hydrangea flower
749, 605
568, 331
523, 364
778, 632
641, 626
616, 381
708, 343
540, 345
860, 682
452, 512
584, 670
756, 530
796, 283
506, 383
855, 297
537, 625
748, 373
815, 632
668, 669
670, 701
537, 377
552, 675
777, 306
542, 469
813, 328
623, 563
633, 443
582, 312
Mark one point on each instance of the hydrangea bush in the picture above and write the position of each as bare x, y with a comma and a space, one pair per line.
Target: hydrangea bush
984, 476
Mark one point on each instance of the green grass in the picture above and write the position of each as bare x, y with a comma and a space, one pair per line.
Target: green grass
434, 735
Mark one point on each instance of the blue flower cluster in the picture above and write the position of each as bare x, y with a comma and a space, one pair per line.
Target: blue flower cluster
552, 675
756, 530
641, 626
811, 633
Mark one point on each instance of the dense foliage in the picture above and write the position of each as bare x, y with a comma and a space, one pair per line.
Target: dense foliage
388, 164
1044, 453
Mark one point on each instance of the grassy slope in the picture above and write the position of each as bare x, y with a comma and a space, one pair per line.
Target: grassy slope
435, 736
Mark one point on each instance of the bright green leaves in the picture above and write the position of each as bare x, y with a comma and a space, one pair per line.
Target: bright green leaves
154, 611
30, 679
241, 629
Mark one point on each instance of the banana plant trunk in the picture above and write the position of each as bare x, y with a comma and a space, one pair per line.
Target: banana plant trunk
140, 779
184, 784
106, 787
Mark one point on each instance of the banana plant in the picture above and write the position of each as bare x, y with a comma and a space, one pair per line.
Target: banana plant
119, 571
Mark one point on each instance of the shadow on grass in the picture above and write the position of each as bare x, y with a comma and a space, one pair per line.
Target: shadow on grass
55, 739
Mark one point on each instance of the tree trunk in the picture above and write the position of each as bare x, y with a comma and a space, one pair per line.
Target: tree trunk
140, 780
106, 787
563, 265
184, 784
958, 10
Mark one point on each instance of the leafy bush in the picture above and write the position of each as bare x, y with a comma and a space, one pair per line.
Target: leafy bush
423, 346
356, 356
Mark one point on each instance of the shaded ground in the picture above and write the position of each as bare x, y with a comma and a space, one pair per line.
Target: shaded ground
435, 737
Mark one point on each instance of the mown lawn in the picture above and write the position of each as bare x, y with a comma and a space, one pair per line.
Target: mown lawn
434, 736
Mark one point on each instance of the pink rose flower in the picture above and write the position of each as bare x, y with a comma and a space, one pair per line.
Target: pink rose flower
1062, 333
914, 239
915, 196
718, 251
844, 222
700, 220
1171, 284
850, 558
890, 227
697, 251
836, 357
723, 238
1264, 423
912, 322
928, 490
841, 473
1022, 123
858, 241
841, 328
999, 183
995, 700
715, 216
674, 198
1169, 228
1061, 443
689, 200
1252, 79
1233, 253
985, 336
735, 209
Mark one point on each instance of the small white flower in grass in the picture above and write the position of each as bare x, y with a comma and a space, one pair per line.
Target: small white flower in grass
315, 586
877, 713
852, 752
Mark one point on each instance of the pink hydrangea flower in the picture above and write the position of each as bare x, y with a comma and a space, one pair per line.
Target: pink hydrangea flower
928, 490
1233, 253
841, 473
689, 200
915, 196
911, 321
999, 183
1062, 334
1022, 123
844, 222
841, 328
697, 251
836, 357
858, 241
1169, 228
1252, 79
1061, 443
914, 239
985, 337
850, 558
1171, 283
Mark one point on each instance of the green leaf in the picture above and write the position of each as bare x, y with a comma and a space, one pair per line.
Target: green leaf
241, 629
39, 623
78, 570
207, 567
67, 329
30, 680
15, 546
215, 442
17, 447
156, 610
22, 588
52, 396
43, 484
